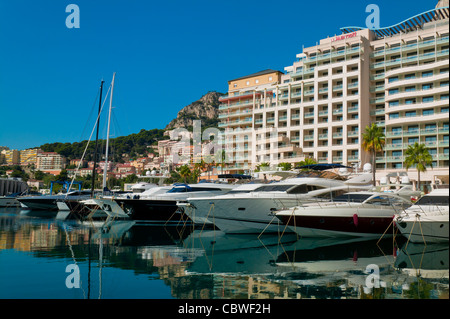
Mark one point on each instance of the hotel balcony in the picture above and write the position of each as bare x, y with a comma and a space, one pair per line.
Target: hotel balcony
416, 58
288, 148
416, 132
412, 47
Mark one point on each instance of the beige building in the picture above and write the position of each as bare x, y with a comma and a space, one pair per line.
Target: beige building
50, 162
396, 77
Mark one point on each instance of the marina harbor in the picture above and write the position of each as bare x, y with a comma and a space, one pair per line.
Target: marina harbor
315, 166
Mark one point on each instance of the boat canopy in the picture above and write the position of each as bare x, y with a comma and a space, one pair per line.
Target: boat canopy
236, 176
322, 167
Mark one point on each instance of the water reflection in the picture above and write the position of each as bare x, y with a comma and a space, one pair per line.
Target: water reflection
181, 262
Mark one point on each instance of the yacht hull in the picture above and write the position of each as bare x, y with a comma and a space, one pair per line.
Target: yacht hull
240, 215
48, 204
152, 210
424, 229
335, 225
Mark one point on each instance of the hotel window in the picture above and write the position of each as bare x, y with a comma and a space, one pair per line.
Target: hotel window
443, 70
393, 79
234, 85
413, 129
413, 140
410, 76
428, 112
397, 130
430, 128
410, 101
444, 110
427, 99
410, 88
393, 116
393, 91
427, 86
396, 165
410, 114
393, 103
444, 96
427, 73
397, 141
444, 83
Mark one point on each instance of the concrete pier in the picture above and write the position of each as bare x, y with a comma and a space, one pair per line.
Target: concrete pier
8, 186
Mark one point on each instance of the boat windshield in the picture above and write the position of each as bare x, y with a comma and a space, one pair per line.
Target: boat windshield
352, 198
433, 200
289, 188
273, 188
193, 189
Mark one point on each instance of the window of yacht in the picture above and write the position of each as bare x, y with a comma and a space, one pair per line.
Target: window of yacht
193, 189
304, 188
353, 198
433, 200
273, 188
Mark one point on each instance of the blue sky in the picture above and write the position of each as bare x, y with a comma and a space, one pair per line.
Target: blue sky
166, 54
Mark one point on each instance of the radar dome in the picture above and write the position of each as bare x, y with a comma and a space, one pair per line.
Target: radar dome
367, 167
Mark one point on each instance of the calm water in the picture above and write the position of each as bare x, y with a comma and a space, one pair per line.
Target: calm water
39, 255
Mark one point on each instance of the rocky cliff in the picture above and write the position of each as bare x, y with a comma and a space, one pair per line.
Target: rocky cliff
205, 109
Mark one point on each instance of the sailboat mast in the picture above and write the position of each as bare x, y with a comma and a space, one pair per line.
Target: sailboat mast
96, 139
105, 169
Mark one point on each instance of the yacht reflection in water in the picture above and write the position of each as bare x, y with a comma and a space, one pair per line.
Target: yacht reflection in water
206, 263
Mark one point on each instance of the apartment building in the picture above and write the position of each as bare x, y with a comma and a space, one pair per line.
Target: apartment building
396, 77
239, 120
29, 156
10, 157
50, 162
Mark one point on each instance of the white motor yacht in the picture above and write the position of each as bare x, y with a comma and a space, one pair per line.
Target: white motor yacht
49, 202
160, 203
360, 214
427, 220
252, 212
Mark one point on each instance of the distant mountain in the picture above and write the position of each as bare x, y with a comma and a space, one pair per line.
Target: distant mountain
205, 109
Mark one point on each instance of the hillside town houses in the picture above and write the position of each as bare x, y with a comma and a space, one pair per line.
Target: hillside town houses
170, 154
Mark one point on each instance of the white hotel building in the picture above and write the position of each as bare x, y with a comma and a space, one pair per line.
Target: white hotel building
397, 77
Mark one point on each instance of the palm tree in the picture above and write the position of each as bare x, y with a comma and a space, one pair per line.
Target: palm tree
262, 166
184, 172
306, 161
285, 166
418, 156
373, 140
221, 159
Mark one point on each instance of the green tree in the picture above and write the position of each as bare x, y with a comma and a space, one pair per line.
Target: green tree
285, 166
39, 175
185, 172
418, 156
262, 166
373, 140
306, 161
62, 176
221, 159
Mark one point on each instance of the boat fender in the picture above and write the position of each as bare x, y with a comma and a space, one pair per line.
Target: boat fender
355, 220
